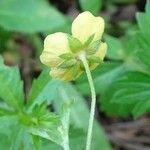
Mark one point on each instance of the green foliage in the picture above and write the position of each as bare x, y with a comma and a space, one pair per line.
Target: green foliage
30, 16
103, 76
126, 93
34, 121
122, 83
124, 1
115, 48
129, 93
39, 91
12, 90
143, 19
79, 116
38, 120
91, 5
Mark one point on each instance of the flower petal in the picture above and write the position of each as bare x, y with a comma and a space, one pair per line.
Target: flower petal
100, 53
85, 25
66, 74
54, 45
62, 74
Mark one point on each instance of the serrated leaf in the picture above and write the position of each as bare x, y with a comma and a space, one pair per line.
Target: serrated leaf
21, 138
39, 91
11, 135
49, 128
66, 93
62, 92
143, 19
143, 52
129, 90
31, 16
12, 90
103, 77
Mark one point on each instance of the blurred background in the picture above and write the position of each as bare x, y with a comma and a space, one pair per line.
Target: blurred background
124, 125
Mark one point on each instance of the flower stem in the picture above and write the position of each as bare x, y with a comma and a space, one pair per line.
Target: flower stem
93, 102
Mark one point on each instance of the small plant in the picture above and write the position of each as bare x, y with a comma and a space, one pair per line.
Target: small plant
46, 107
69, 55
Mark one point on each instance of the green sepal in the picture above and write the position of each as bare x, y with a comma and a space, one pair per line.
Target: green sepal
67, 64
36, 141
89, 40
94, 59
76, 70
67, 56
74, 44
93, 47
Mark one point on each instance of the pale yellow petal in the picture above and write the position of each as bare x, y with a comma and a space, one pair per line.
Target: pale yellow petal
65, 74
101, 54
102, 51
93, 66
54, 45
61, 74
86, 25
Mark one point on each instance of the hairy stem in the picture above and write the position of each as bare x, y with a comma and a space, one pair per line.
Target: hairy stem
93, 102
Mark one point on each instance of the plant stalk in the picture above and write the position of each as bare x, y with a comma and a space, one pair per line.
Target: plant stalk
93, 102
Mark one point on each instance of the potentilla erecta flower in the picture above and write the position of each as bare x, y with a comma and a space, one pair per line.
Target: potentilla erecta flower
62, 51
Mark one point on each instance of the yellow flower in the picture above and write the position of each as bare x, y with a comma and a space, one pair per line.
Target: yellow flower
62, 51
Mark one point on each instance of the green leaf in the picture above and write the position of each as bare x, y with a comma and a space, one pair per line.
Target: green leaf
74, 44
143, 52
12, 136
30, 16
115, 48
6, 111
126, 94
4, 37
93, 6
21, 139
12, 90
37, 142
40, 90
147, 7
64, 93
49, 127
77, 140
103, 77
143, 19
124, 1
143, 22
79, 115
